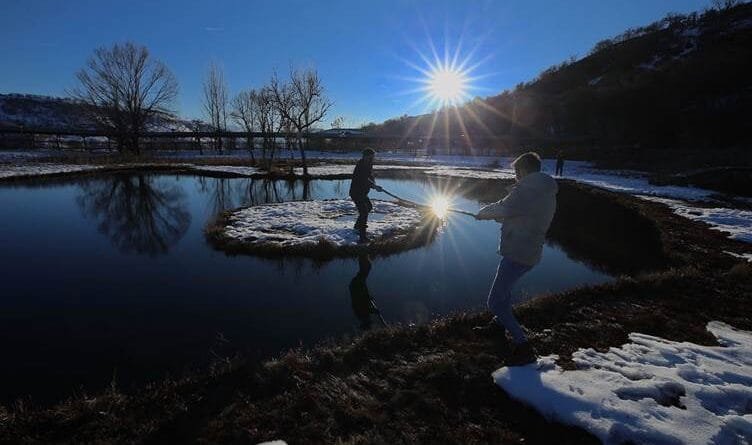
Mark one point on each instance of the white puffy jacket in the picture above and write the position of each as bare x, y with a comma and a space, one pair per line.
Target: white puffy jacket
526, 214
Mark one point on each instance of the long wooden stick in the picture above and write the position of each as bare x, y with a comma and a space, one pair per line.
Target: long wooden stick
415, 204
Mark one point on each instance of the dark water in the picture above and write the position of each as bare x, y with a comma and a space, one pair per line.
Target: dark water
112, 276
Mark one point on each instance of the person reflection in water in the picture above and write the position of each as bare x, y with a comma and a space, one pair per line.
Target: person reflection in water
363, 306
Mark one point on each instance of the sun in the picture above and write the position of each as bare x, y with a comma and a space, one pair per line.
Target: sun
447, 86
443, 82
440, 206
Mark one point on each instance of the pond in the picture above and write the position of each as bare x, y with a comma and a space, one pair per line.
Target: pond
111, 277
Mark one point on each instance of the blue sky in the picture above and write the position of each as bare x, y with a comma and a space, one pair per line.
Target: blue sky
362, 50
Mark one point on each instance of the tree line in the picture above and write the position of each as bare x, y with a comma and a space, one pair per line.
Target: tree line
123, 89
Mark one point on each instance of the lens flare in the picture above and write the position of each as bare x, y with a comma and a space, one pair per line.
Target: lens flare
440, 206
447, 85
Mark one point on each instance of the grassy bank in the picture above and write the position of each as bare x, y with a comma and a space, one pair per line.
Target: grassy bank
431, 383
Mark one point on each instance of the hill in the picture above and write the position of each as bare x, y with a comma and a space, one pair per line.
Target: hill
680, 83
35, 111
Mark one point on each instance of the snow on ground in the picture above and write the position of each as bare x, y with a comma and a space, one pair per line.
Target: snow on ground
326, 170
651, 390
231, 169
398, 167
17, 171
742, 256
470, 173
736, 222
303, 224
455, 172
16, 156
347, 169
625, 181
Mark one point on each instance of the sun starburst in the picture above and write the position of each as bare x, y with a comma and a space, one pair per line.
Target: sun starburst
443, 80
447, 86
440, 206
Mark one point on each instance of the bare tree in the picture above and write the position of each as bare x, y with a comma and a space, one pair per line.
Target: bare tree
124, 89
338, 122
196, 126
301, 101
269, 122
245, 109
215, 102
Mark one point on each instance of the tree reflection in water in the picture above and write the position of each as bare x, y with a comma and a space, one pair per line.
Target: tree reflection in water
138, 213
231, 193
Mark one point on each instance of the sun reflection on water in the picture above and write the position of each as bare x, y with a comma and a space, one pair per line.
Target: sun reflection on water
440, 206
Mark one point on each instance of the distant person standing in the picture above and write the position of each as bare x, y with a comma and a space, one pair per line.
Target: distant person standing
559, 163
362, 183
526, 214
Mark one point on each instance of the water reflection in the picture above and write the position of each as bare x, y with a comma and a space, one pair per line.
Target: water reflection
230, 193
138, 213
167, 320
363, 305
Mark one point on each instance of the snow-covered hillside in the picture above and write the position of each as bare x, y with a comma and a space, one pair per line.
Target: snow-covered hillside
33, 111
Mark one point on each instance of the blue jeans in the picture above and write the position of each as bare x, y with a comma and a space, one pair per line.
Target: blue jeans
500, 297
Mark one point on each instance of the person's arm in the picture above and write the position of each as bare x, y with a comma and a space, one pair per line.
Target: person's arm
512, 205
490, 211
372, 182
375, 186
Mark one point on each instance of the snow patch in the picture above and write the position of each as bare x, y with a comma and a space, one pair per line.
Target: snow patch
736, 222
594, 82
305, 224
742, 256
347, 169
469, 173
651, 390
638, 184
231, 169
18, 171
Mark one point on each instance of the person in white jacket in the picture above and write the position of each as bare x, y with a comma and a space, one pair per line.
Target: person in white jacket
525, 215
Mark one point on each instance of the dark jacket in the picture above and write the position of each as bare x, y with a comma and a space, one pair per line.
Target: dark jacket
362, 179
